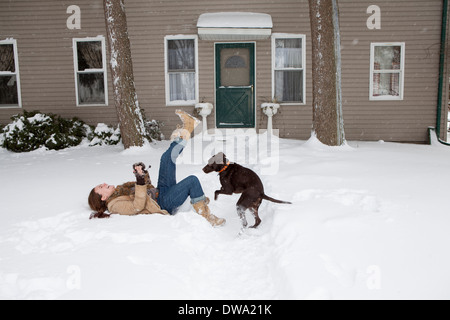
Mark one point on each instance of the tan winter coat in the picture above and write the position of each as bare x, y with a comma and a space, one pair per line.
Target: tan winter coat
139, 203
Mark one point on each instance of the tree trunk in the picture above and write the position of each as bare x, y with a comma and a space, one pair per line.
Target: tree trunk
130, 117
328, 124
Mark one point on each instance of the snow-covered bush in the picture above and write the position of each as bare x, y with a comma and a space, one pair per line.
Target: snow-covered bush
70, 133
2, 136
153, 129
32, 130
105, 135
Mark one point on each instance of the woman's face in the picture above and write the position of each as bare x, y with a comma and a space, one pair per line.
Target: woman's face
104, 190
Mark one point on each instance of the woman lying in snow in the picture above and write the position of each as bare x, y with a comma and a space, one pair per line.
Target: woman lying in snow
143, 198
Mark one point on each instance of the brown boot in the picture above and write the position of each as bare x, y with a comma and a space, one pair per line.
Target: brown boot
202, 209
189, 124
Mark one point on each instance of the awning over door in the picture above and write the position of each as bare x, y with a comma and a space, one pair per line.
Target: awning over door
229, 26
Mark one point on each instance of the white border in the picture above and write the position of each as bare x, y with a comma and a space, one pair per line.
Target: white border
166, 70
104, 69
290, 36
16, 73
401, 71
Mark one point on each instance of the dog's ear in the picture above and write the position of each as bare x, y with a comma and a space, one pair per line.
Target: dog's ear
224, 159
221, 158
216, 159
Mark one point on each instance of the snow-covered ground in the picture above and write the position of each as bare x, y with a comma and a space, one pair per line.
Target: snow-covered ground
369, 220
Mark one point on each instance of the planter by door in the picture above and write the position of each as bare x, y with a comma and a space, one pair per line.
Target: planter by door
235, 85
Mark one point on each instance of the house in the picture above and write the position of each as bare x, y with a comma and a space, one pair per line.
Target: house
54, 58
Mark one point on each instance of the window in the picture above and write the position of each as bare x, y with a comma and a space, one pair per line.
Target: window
288, 65
181, 70
9, 75
387, 71
90, 71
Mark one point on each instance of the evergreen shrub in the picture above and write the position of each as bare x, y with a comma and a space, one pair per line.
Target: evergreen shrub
32, 130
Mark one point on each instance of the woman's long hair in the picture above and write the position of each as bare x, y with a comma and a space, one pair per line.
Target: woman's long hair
96, 204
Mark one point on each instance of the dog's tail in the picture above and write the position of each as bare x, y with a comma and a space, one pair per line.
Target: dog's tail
266, 197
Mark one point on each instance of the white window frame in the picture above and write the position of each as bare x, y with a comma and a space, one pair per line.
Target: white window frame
276, 36
401, 72
16, 73
166, 70
104, 69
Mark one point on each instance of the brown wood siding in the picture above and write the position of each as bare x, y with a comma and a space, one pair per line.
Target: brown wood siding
174, 17
418, 24
46, 56
47, 79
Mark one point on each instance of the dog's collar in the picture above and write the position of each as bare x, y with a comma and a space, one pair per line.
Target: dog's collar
225, 168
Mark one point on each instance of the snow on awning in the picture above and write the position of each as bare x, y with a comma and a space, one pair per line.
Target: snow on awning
228, 26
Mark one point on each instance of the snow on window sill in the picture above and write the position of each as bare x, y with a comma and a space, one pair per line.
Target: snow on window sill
386, 98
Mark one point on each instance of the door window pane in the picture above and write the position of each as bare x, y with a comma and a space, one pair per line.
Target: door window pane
235, 67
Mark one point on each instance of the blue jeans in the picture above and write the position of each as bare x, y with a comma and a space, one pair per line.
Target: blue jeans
172, 194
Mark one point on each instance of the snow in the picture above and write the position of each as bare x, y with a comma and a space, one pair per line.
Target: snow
234, 20
369, 220
38, 118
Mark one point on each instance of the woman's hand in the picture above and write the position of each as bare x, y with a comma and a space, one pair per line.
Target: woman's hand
140, 173
138, 170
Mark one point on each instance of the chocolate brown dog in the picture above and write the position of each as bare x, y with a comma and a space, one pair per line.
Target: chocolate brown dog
238, 179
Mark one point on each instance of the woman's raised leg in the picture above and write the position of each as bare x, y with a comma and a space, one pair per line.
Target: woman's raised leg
177, 194
167, 168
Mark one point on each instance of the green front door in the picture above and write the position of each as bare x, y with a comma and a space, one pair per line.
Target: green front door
235, 85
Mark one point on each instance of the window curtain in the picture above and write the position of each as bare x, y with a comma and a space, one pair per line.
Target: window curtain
181, 67
387, 83
288, 53
288, 86
288, 74
182, 86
